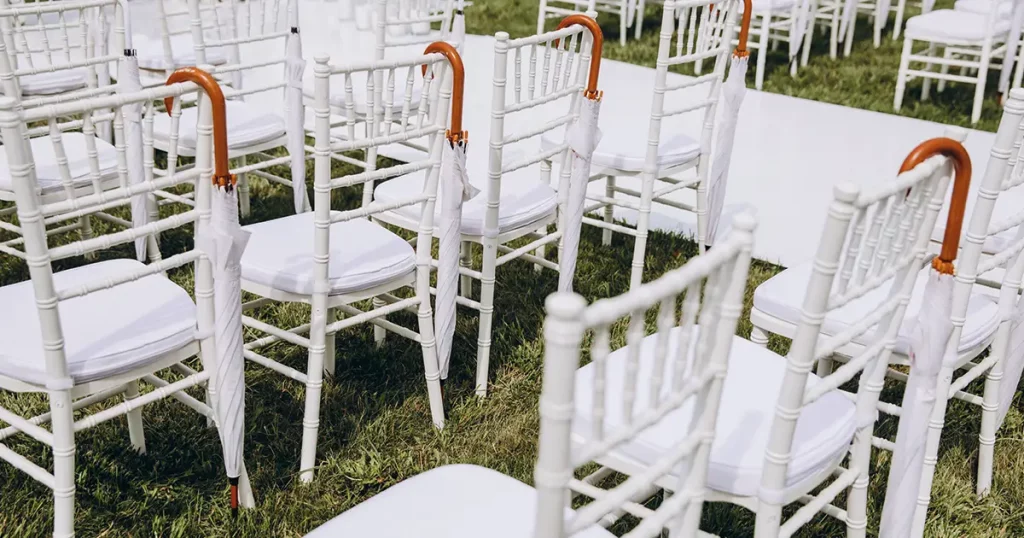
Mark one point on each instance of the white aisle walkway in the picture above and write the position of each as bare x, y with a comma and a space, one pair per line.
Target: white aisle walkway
789, 152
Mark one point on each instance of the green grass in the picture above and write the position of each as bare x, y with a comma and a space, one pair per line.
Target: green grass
375, 422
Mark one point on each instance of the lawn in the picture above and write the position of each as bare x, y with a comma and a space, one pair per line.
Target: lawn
375, 422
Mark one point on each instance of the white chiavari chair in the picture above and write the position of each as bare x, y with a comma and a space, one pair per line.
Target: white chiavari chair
52, 53
398, 23
64, 349
628, 11
970, 41
518, 198
335, 260
783, 433
258, 117
447, 502
778, 21
668, 152
172, 45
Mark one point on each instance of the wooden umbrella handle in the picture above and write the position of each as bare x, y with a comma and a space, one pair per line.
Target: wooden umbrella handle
595, 57
456, 133
958, 205
741, 47
222, 176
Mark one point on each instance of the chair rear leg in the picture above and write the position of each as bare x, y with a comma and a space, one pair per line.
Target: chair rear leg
63, 464
901, 74
987, 436
609, 210
135, 429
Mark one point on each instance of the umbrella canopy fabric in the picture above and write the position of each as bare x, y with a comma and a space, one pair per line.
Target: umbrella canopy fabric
583, 137
458, 36
224, 242
128, 82
455, 189
1013, 363
1010, 59
295, 115
733, 92
930, 335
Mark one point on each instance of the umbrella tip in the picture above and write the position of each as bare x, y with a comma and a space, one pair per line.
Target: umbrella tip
234, 497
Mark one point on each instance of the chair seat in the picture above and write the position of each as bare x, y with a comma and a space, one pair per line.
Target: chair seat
782, 297
454, 501
48, 174
106, 333
952, 25
625, 147
983, 7
53, 82
750, 392
363, 255
183, 53
524, 198
248, 125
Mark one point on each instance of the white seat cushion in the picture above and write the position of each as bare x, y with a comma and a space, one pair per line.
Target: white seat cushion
983, 6
248, 125
363, 255
524, 198
749, 396
625, 147
782, 297
106, 333
53, 82
150, 52
454, 501
948, 24
48, 174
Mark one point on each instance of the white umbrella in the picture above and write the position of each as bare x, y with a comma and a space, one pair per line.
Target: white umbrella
1010, 59
223, 241
1013, 363
128, 82
733, 92
459, 27
583, 138
455, 189
101, 30
295, 114
800, 30
849, 14
929, 337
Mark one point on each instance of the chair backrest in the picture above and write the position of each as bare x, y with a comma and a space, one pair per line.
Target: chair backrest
34, 215
355, 132
408, 22
544, 97
873, 239
702, 33
707, 294
47, 45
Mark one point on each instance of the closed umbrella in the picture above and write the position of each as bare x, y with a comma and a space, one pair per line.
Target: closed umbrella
295, 113
459, 26
455, 189
583, 137
1013, 362
128, 82
931, 335
733, 92
224, 241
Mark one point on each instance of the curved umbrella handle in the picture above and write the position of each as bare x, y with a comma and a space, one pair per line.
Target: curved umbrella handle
456, 133
741, 47
595, 57
222, 176
943, 263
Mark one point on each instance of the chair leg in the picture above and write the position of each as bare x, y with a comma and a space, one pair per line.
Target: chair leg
430, 365
1018, 72
901, 6
329, 344
609, 210
833, 40
901, 75
541, 251
879, 25
379, 333
85, 229
926, 84
636, 274
987, 436
758, 336
857, 502
63, 464
848, 40
314, 387
940, 86
639, 19
541, 15
805, 47
243, 191
623, 21
466, 260
483, 352
979, 92
825, 366
762, 51
135, 430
